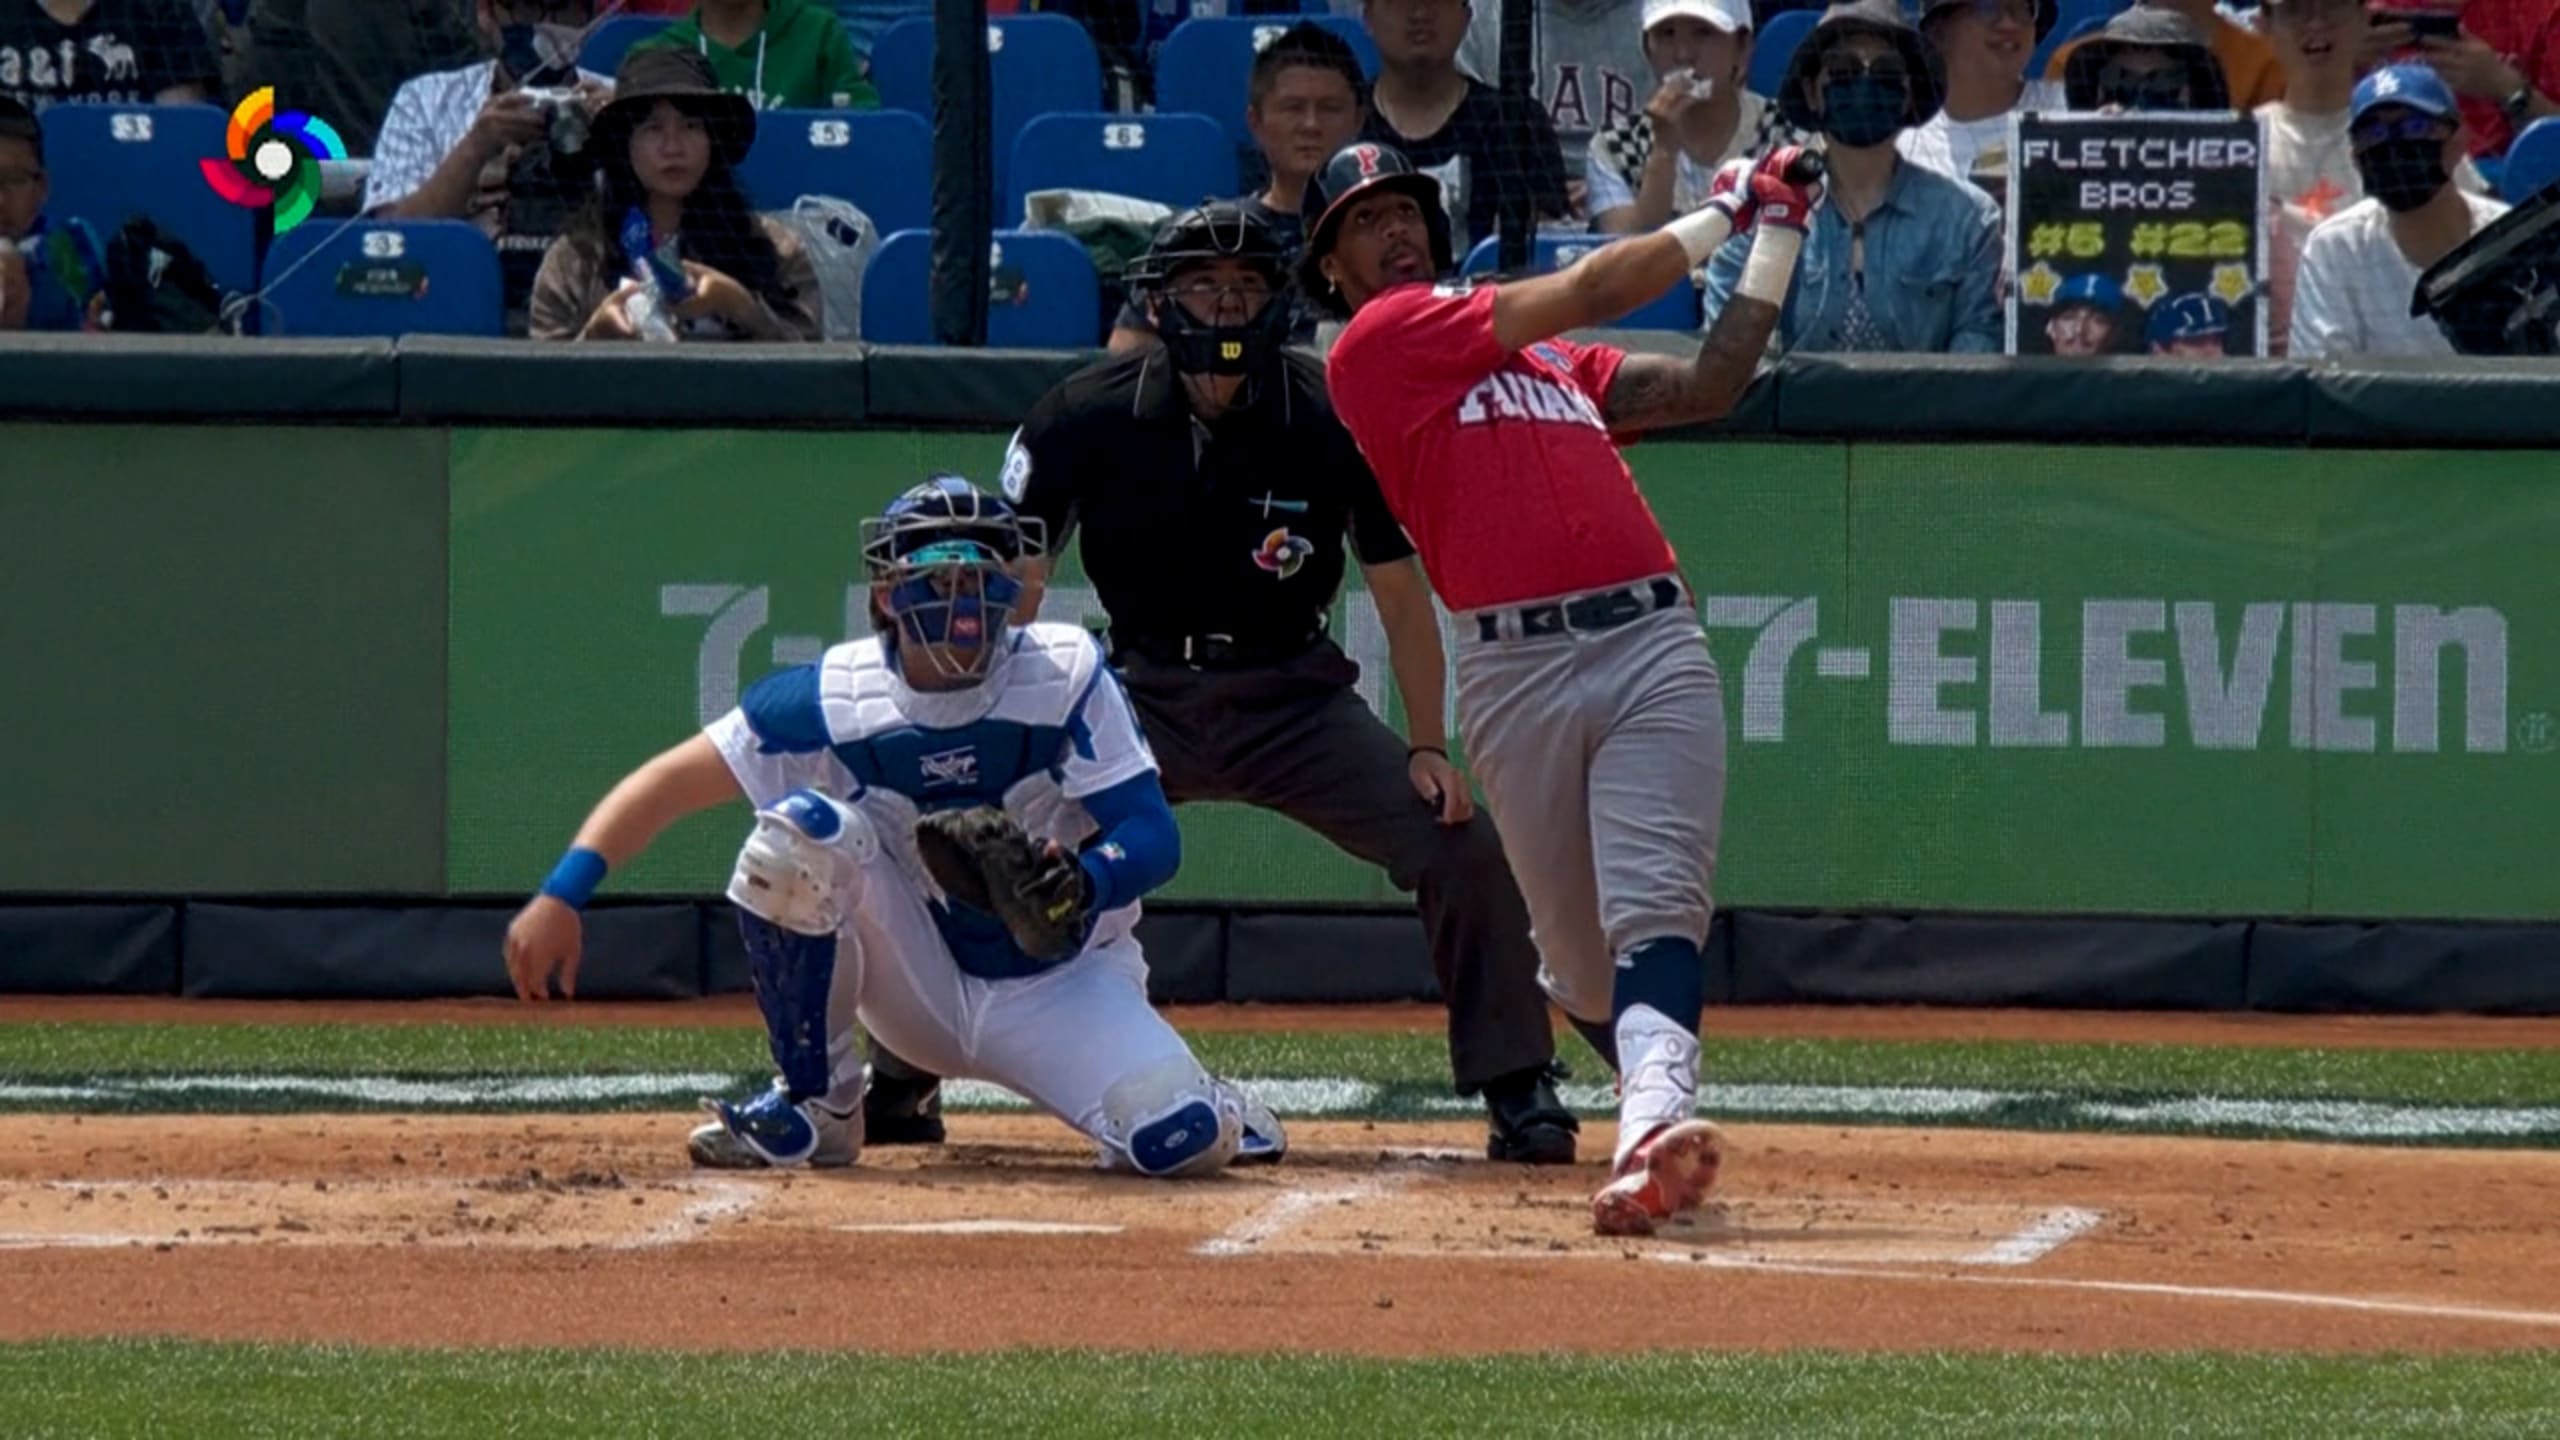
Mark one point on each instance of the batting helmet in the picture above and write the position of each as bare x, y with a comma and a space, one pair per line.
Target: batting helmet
1220, 230
2192, 316
1356, 172
2089, 288
939, 560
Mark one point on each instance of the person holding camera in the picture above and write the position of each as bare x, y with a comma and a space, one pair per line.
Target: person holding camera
668, 247
502, 143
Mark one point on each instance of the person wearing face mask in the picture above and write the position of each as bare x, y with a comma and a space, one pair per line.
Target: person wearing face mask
778, 53
2146, 59
1986, 45
501, 143
2310, 169
2361, 266
1302, 103
1898, 257
1659, 162
2249, 72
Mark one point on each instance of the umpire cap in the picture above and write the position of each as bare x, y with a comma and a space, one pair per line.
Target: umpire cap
1356, 171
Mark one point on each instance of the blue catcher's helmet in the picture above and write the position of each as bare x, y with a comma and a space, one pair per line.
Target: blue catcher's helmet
2192, 316
941, 564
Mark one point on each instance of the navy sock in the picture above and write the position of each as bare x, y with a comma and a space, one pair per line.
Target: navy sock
1669, 975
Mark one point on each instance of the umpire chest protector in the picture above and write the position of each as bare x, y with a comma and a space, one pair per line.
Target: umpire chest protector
1192, 529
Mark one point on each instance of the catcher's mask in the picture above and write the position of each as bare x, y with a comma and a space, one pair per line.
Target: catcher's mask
1172, 279
941, 565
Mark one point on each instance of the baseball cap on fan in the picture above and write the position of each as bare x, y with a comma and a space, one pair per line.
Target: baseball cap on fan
2416, 86
1730, 16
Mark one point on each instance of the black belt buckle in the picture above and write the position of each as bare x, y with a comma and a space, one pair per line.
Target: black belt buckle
1603, 610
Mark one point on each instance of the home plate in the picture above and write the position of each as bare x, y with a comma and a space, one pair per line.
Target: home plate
980, 1227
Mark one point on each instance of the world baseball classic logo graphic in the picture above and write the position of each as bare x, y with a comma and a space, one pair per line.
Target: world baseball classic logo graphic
274, 159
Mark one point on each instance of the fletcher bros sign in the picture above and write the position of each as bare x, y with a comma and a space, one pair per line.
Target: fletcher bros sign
2126, 228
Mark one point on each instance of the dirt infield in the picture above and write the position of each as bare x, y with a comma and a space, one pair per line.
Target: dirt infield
1845, 1022
1373, 1238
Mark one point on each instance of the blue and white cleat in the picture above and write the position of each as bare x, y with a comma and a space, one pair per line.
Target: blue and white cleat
771, 1132
1264, 1142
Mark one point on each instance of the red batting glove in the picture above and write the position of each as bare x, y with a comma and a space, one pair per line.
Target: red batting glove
1785, 186
1730, 192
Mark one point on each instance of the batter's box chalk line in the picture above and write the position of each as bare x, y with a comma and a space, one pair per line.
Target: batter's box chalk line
1285, 1211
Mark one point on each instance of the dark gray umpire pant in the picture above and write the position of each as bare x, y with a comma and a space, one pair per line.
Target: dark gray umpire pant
1295, 737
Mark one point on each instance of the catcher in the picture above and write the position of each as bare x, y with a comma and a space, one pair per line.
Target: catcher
955, 820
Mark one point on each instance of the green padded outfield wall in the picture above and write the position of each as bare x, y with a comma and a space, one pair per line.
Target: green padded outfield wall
225, 653
1997, 678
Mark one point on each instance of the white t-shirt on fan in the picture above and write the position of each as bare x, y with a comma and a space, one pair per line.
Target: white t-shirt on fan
1967, 149
2352, 295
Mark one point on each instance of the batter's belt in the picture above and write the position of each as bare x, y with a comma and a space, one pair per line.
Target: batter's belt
1593, 612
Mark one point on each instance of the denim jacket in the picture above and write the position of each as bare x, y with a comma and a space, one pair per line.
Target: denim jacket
1932, 271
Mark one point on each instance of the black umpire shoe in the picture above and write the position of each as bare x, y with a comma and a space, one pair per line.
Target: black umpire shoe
1530, 1125
902, 1109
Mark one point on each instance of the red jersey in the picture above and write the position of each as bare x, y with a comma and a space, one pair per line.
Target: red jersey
1497, 462
2527, 32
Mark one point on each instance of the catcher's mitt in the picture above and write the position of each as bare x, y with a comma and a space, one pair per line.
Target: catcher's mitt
982, 857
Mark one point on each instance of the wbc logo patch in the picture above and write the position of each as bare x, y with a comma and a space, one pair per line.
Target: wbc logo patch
1283, 553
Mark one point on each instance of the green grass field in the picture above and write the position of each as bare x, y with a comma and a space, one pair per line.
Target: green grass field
169, 1389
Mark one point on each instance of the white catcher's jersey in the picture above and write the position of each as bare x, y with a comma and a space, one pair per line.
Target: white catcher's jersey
1049, 728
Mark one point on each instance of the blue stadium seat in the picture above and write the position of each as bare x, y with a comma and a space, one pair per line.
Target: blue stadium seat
1037, 63
2532, 160
881, 160
111, 161
1179, 160
2074, 18
1775, 46
426, 277
1677, 309
1047, 296
610, 41
1205, 63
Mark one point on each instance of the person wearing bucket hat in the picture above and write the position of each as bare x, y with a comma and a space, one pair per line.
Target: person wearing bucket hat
1985, 45
2087, 316
1898, 257
2361, 265
2249, 73
2146, 59
1659, 161
668, 228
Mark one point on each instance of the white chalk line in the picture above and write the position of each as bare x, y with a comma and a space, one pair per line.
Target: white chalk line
2050, 1232
725, 1200
2310, 1299
1249, 1235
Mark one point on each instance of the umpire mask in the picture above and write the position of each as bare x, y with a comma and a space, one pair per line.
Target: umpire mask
1216, 284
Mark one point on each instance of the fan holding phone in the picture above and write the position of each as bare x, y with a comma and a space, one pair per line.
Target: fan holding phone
2501, 58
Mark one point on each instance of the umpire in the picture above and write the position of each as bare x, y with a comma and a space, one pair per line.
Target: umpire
1214, 488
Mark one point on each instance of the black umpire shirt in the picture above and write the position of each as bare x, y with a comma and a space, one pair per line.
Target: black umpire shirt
1228, 529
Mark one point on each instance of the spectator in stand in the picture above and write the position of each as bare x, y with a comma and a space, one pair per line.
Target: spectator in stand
2360, 268
1658, 163
2310, 170
2503, 64
2250, 75
343, 60
104, 52
1899, 257
667, 149
1494, 154
780, 54
1588, 67
49, 273
1985, 45
2145, 59
1302, 103
502, 143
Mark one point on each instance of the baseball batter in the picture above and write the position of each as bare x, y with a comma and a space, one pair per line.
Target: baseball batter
1587, 700
955, 820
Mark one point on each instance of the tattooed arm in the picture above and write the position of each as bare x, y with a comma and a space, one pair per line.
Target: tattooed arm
1659, 391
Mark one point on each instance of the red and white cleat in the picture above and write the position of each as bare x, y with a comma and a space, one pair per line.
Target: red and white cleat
1669, 1173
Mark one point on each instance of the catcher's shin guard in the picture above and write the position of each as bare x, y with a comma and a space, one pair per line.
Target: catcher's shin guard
794, 976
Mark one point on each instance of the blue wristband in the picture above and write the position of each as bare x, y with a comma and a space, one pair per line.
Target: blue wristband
574, 880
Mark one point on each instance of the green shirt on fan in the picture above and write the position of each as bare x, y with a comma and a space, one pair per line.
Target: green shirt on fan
800, 59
